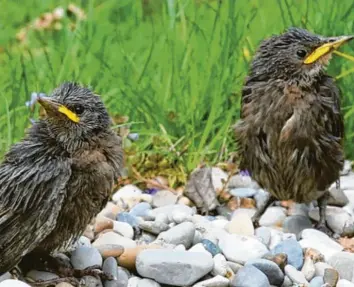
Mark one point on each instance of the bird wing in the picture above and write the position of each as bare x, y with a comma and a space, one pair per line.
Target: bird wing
32, 189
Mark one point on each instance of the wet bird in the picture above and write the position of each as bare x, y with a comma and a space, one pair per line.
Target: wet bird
58, 177
290, 131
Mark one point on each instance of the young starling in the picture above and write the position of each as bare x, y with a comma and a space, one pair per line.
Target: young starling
291, 129
54, 181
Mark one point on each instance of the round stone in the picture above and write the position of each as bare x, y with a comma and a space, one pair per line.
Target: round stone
210, 247
270, 269
84, 257
293, 250
243, 192
250, 276
296, 224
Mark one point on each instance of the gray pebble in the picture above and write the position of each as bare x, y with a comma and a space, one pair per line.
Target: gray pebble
337, 197
148, 283
295, 275
249, 276
123, 277
141, 209
91, 281
317, 281
270, 269
296, 224
287, 282
343, 262
243, 192
110, 268
41, 275
293, 250
264, 235
273, 216
320, 268
180, 234
84, 257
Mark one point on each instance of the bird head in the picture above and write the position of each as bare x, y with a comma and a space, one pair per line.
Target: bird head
296, 55
74, 113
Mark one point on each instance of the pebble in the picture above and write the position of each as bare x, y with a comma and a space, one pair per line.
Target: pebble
128, 258
170, 209
249, 211
110, 238
108, 250
270, 269
154, 227
317, 282
243, 192
123, 229
295, 275
261, 197
148, 283
218, 178
122, 277
337, 197
240, 249
344, 283
163, 198
221, 267
343, 262
263, 234
110, 267
249, 276
133, 281
240, 224
64, 284
287, 282
273, 216
13, 283
177, 268
180, 234
140, 210
240, 180
128, 218
84, 257
84, 241
41, 275
210, 247
195, 248
217, 281
91, 281
299, 209
280, 259
331, 277
129, 194
234, 266
5, 276
318, 240
293, 250
308, 269
296, 224
320, 268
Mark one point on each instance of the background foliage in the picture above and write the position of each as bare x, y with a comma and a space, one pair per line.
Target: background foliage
174, 67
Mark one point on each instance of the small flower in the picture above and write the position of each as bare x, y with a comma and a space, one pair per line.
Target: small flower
245, 172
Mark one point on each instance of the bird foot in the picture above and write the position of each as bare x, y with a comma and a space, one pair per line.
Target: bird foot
91, 271
255, 222
52, 282
324, 228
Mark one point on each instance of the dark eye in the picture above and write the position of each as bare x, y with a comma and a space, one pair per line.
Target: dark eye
301, 53
79, 109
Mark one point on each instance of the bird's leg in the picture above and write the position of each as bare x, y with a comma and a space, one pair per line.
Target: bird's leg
321, 224
257, 216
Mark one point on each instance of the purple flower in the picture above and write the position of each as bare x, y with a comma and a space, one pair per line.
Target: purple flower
245, 172
151, 191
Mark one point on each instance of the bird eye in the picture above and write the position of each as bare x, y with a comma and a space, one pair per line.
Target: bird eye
79, 109
301, 53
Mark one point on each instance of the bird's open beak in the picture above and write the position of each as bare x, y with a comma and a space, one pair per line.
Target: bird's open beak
54, 108
330, 45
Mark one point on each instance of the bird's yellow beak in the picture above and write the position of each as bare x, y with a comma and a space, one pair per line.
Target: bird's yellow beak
333, 44
53, 108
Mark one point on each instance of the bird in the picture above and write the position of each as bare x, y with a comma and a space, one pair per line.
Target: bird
59, 176
290, 133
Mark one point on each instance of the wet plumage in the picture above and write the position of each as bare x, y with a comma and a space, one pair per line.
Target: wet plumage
55, 180
291, 130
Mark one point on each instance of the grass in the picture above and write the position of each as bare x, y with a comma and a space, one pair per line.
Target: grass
175, 67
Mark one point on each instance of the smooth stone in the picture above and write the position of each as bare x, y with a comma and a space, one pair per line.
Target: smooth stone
347, 182
41, 275
320, 268
218, 178
210, 247
123, 229
249, 211
270, 269
340, 221
128, 258
113, 238
128, 218
287, 282
317, 282
122, 277
83, 241
196, 248
243, 192
344, 283
154, 227
179, 217
343, 262
295, 275
145, 238
261, 198
64, 284
84, 257
240, 224
180, 234
219, 223
108, 250
318, 240
337, 197
140, 210
91, 281
134, 281
239, 180
170, 209
163, 198
148, 283
296, 224
276, 237
293, 250
299, 209
177, 268
331, 277
110, 267
240, 249
234, 266
128, 191
263, 234
221, 267
273, 216
13, 283
250, 276
5, 276
308, 269
217, 281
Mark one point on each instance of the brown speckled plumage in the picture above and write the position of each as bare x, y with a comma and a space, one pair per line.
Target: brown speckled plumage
291, 130
54, 181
